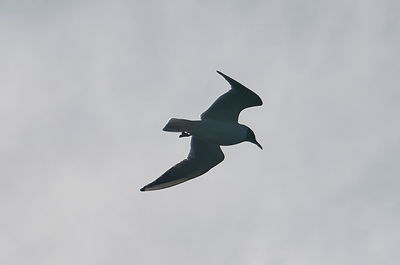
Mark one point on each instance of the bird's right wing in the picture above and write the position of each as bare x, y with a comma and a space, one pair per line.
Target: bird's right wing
228, 106
202, 157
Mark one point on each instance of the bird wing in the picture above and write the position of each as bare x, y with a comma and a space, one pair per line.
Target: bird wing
229, 105
202, 157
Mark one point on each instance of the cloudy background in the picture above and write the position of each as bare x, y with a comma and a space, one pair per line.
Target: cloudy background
86, 87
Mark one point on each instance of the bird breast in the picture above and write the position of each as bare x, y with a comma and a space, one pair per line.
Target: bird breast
220, 132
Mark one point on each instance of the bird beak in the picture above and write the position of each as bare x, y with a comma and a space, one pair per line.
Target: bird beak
258, 144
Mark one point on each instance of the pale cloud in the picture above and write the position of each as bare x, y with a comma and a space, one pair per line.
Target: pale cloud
85, 89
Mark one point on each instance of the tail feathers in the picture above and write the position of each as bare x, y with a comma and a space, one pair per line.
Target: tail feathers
179, 125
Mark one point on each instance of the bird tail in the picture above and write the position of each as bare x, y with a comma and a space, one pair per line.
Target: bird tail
180, 125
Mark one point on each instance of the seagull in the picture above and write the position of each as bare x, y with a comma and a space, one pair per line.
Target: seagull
218, 126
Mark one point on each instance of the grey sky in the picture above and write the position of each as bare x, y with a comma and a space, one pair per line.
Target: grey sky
86, 87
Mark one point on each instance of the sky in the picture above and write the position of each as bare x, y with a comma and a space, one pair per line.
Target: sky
87, 86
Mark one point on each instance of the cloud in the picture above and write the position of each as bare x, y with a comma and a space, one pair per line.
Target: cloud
86, 88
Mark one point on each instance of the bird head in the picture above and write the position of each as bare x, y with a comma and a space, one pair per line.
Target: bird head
251, 137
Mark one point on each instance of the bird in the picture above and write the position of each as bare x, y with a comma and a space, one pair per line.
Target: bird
218, 126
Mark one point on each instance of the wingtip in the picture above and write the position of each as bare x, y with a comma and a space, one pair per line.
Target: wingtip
143, 189
231, 81
221, 73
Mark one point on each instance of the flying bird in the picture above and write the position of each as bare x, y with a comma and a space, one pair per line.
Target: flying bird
218, 126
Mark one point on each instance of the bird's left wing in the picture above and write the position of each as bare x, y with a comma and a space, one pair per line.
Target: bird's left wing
202, 157
228, 106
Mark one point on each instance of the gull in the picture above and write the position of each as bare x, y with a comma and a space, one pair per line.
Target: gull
218, 126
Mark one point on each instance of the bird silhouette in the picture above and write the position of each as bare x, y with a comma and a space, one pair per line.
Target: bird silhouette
218, 126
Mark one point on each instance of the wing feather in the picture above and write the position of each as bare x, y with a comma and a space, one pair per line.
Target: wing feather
229, 105
202, 157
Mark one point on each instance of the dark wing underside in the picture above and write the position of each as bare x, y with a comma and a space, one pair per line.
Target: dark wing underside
228, 106
202, 157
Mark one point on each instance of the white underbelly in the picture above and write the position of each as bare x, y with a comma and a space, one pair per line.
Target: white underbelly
219, 132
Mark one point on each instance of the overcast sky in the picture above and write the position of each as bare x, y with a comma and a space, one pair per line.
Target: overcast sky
86, 88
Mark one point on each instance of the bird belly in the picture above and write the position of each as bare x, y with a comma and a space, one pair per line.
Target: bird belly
220, 132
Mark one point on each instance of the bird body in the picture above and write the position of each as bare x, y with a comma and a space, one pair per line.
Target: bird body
218, 126
210, 130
